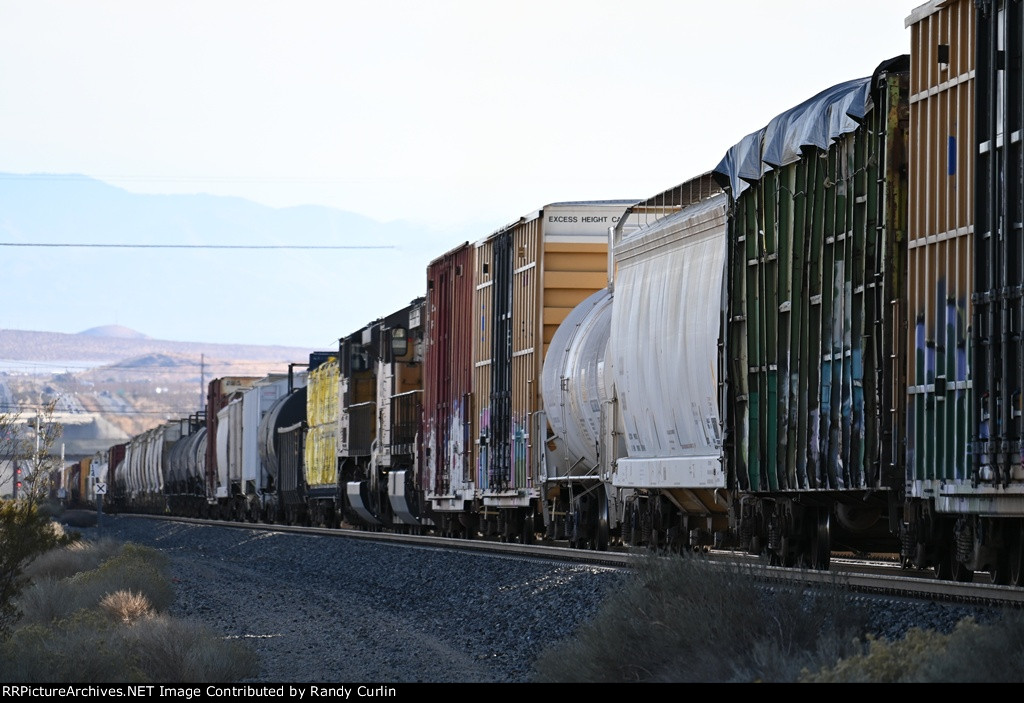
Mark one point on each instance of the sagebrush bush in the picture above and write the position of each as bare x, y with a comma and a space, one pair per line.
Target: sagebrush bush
971, 653
90, 647
86, 648
48, 600
92, 571
979, 653
82, 555
101, 624
25, 534
683, 619
180, 651
884, 661
133, 568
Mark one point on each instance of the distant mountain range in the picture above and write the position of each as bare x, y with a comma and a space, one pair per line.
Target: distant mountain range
116, 344
115, 331
77, 252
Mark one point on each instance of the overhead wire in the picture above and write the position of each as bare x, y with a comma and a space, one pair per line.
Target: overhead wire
196, 246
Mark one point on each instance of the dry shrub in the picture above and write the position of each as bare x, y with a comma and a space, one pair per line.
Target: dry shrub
83, 649
49, 599
93, 571
684, 619
179, 651
884, 661
25, 534
91, 647
136, 569
97, 625
68, 561
126, 607
971, 653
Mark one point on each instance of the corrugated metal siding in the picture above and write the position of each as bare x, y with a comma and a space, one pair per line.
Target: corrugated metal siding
814, 259
572, 272
940, 243
499, 468
999, 264
540, 269
449, 373
525, 332
483, 331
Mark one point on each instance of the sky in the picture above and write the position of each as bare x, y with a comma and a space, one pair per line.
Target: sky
452, 114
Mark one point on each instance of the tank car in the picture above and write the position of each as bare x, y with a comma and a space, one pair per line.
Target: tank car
279, 487
186, 476
146, 466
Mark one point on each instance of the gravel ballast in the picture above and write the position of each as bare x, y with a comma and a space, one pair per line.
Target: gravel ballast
321, 610
335, 610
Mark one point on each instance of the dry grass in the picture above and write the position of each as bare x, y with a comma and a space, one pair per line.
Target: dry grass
126, 607
70, 560
682, 619
174, 651
971, 653
134, 568
93, 614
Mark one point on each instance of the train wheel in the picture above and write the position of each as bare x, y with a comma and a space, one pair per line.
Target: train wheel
960, 572
529, 527
572, 528
943, 565
821, 541
1001, 571
786, 557
1016, 555
600, 541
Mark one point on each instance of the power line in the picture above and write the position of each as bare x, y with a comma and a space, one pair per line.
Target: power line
193, 246
8, 408
246, 367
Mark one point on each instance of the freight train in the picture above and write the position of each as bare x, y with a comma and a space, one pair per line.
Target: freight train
814, 346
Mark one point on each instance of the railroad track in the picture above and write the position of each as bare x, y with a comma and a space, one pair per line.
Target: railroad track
881, 575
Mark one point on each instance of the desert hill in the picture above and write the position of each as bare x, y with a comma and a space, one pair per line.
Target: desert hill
111, 383
113, 343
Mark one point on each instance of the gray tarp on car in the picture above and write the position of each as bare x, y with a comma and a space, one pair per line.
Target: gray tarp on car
815, 122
